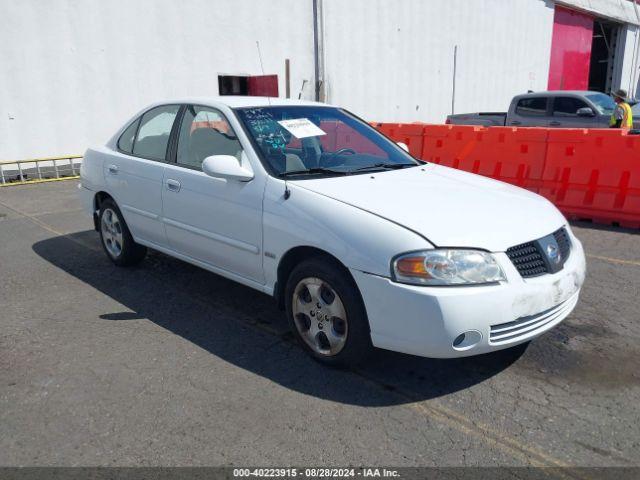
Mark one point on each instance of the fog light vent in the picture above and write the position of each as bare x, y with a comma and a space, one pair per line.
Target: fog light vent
467, 340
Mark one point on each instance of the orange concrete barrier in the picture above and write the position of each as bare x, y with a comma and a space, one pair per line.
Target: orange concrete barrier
588, 174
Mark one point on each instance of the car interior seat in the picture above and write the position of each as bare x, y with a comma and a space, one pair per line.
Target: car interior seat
205, 142
153, 146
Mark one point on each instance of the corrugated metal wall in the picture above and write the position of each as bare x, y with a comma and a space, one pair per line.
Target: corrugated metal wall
72, 71
393, 60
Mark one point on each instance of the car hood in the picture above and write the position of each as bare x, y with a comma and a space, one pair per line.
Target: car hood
446, 206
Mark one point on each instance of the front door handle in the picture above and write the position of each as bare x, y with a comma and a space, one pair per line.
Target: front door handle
555, 123
113, 169
516, 122
173, 185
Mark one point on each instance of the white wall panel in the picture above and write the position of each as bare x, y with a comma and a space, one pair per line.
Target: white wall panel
625, 74
393, 60
71, 71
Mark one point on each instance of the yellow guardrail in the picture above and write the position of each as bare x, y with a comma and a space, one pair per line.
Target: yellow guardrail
39, 170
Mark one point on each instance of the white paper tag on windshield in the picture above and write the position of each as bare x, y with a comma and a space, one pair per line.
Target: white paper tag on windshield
302, 127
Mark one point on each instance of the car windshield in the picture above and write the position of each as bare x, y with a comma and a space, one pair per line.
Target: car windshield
318, 140
604, 103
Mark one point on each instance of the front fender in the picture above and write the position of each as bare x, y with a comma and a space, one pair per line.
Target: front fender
359, 239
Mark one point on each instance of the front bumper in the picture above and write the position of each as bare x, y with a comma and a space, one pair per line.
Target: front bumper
426, 321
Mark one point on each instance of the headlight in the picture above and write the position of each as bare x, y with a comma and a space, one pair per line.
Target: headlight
447, 267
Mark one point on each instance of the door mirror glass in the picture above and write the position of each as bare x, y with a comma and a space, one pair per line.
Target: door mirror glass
586, 112
227, 167
403, 146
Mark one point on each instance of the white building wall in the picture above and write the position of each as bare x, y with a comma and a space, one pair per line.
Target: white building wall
72, 71
393, 60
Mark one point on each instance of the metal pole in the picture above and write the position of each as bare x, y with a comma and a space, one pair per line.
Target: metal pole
287, 78
316, 55
455, 67
634, 60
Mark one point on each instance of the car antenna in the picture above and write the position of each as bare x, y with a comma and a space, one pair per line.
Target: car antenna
287, 192
262, 66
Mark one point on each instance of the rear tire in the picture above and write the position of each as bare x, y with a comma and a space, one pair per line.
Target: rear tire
326, 313
116, 238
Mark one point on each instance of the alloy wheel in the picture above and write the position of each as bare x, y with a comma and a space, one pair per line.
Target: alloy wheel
320, 316
111, 229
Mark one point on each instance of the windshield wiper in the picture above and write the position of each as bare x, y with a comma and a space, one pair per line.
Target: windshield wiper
314, 170
388, 166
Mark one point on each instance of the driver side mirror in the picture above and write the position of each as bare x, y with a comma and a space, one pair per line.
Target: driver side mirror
403, 146
227, 167
586, 112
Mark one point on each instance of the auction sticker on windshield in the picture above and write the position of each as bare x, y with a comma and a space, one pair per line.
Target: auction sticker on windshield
302, 127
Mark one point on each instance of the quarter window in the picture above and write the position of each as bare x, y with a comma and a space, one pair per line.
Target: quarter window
204, 132
153, 135
567, 106
532, 107
125, 142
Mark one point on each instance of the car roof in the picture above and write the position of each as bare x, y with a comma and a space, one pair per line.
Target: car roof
555, 93
233, 101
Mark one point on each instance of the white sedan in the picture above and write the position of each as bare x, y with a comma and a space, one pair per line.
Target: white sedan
360, 243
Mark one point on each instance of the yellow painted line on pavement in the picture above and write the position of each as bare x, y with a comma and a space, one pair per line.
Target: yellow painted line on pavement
530, 455
47, 227
619, 261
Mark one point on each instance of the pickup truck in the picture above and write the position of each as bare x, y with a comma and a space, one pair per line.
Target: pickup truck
561, 109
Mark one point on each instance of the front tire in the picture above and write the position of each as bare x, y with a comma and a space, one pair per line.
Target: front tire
326, 313
116, 238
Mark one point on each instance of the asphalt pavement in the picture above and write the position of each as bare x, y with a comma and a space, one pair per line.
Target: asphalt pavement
166, 364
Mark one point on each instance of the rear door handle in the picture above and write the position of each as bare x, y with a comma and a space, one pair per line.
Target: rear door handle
555, 123
173, 185
516, 122
113, 169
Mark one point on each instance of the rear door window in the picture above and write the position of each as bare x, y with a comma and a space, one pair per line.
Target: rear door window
532, 107
153, 134
567, 106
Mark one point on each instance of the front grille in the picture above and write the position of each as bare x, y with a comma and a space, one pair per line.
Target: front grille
530, 260
527, 259
530, 325
564, 244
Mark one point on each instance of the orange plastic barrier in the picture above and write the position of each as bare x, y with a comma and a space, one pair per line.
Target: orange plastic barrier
509, 154
412, 134
588, 174
594, 174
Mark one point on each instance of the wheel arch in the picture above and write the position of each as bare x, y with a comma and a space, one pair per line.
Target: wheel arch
98, 198
296, 255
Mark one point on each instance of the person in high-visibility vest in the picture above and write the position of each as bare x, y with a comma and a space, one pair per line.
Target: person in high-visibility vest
622, 117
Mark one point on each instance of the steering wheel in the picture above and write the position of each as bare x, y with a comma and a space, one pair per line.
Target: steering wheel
330, 162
